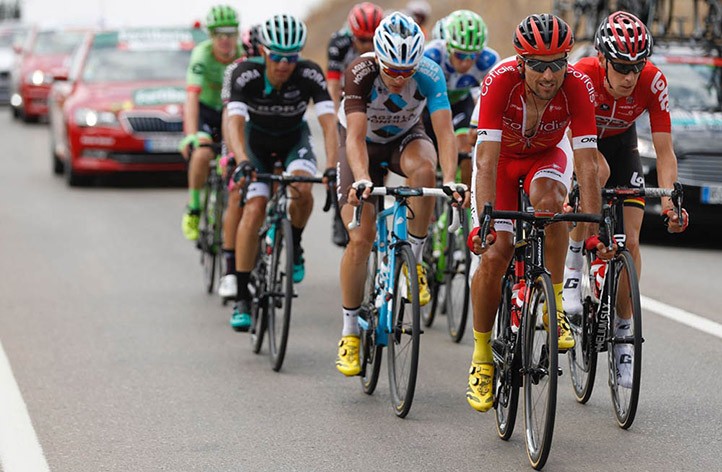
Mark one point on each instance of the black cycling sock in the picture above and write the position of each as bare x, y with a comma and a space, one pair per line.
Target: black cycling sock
229, 255
243, 294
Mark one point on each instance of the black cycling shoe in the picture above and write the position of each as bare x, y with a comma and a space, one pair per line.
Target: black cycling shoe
340, 235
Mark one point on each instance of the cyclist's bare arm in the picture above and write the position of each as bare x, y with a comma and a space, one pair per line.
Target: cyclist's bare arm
330, 138
487, 160
334, 89
448, 154
587, 169
236, 137
190, 112
356, 150
666, 163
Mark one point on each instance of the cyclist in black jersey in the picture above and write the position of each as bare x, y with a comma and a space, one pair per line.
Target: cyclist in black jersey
267, 100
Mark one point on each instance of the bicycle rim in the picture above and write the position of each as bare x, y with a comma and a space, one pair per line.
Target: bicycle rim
206, 237
583, 358
539, 361
458, 260
281, 293
625, 397
370, 352
404, 339
259, 308
506, 365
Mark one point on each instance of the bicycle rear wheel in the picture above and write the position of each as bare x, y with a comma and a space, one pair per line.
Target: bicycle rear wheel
206, 239
259, 305
434, 262
370, 352
405, 335
540, 369
458, 261
583, 358
625, 366
506, 364
280, 294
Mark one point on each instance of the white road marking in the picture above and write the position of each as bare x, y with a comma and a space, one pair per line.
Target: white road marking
681, 316
20, 450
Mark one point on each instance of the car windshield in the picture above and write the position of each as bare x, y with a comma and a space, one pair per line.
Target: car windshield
694, 87
118, 65
57, 42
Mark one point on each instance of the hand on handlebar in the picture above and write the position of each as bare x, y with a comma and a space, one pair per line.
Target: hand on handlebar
593, 243
245, 172
474, 240
458, 192
360, 190
187, 144
671, 220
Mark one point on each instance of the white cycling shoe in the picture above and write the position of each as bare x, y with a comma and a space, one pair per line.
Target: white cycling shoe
228, 286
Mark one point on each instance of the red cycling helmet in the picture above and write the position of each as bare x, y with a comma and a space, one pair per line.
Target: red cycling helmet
364, 18
623, 36
543, 34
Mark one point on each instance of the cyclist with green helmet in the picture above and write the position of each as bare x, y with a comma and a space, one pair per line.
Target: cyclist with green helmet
267, 100
203, 106
465, 60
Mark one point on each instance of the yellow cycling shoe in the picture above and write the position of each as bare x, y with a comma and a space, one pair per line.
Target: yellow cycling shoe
479, 393
190, 223
347, 361
424, 292
565, 339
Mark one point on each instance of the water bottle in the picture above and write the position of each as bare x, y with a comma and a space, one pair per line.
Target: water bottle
598, 270
518, 293
378, 281
270, 237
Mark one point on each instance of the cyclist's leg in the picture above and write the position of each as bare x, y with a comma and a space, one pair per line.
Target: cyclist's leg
465, 137
231, 219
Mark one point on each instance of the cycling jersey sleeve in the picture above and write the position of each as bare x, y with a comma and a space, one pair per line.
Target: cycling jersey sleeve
432, 85
433, 52
337, 49
658, 102
226, 89
359, 78
580, 93
495, 93
319, 90
243, 74
196, 69
487, 59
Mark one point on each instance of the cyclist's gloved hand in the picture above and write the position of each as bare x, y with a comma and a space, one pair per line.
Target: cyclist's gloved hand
353, 194
671, 220
459, 192
187, 144
244, 169
329, 175
593, 243
474, 240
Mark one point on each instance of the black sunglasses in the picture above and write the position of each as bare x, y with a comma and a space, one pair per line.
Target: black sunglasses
541, 66
625, 69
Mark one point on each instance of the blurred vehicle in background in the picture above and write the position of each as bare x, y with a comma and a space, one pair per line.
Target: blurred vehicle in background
694, 77
121, 108
43, 57
12, 36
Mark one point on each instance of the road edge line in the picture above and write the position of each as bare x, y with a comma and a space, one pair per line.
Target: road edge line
684, 317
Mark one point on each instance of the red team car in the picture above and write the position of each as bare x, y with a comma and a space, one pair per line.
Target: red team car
122, 106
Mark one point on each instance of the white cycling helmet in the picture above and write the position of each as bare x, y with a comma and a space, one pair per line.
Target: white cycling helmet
399, 41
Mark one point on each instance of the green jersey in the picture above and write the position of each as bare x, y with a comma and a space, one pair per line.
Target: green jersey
205, 74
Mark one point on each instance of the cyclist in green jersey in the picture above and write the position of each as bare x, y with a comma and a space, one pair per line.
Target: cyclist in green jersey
203, 107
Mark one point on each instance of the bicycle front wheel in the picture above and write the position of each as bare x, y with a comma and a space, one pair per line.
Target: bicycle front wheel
259, 305
280, 292
405, 335
370, 352
458, 261
207, 239
506, 364
625, 346
583, 358
540, 369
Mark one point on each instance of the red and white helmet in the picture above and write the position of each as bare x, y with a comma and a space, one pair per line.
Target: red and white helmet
544, 35
364, 18
623, 36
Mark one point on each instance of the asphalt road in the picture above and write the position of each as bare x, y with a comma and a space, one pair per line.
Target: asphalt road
125, 364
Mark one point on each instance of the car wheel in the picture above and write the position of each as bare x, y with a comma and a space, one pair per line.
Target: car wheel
73, 178
58, 166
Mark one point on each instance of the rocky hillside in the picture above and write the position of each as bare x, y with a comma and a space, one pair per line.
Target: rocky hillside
501, 17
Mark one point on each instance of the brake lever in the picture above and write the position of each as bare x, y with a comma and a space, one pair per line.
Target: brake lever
485, 224
356, 222
677, 199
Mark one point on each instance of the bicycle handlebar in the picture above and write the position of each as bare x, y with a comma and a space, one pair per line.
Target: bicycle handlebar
284, 179
676, 193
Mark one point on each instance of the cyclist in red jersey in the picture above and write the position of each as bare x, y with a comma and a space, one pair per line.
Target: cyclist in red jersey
526, 106
626, 86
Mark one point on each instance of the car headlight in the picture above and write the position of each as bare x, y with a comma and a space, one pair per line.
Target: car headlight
88, 118
39, 77
646, 148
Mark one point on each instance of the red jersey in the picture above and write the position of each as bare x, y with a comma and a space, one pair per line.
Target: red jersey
502, 112
616, 116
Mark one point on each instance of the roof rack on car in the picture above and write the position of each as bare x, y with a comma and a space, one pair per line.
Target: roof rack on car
698, 21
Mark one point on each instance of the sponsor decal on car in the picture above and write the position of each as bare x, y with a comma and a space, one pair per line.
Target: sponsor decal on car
159, 96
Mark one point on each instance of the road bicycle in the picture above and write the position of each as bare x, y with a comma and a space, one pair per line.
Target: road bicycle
271, 280
603, 301
525, 340
389, 314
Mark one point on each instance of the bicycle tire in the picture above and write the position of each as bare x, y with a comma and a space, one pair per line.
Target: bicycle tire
371, 353
458, 261
434, 265
539, 367
625, 403
259, 305
583, 358
206, 236
403, 357
280, 295
506, 364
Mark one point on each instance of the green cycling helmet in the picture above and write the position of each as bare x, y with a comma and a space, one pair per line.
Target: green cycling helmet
465, 31
283, 33
222, 16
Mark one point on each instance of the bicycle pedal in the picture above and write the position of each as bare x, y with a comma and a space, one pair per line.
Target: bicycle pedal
559, 371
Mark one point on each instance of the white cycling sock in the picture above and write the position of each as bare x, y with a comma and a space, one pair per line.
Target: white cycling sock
350, 322
417, 246
574, 259
622, 327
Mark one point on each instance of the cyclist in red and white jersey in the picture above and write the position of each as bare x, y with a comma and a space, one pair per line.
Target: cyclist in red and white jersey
626, 85
526, 106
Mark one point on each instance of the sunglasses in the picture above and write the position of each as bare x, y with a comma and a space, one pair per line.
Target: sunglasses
396, 73
625, 69
465, 56
291, 58
541, 66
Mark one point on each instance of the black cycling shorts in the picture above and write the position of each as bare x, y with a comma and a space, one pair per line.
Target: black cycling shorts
625, 165
209, 121
292, 149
